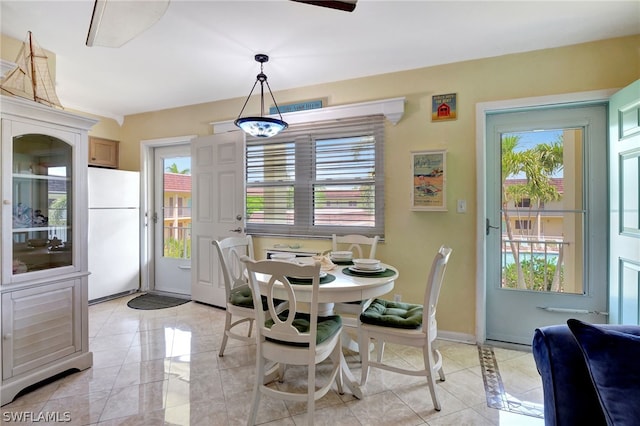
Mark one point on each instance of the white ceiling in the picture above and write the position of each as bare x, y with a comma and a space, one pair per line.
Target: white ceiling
202, 51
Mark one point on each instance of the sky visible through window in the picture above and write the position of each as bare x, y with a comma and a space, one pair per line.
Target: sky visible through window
182, 163
530, 139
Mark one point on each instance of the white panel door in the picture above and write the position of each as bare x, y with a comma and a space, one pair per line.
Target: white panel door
624, 206
218, 208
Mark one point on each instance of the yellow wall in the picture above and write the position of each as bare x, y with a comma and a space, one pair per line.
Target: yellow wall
412, 238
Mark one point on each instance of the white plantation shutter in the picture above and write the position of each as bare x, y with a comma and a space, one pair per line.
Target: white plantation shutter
318, 179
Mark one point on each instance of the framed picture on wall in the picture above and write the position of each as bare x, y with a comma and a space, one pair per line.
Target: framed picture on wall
429, 180
444, 107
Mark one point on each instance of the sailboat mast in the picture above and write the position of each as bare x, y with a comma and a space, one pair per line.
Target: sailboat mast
31, 73
33, 67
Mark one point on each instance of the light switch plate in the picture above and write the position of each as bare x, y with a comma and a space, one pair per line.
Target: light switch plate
462, 206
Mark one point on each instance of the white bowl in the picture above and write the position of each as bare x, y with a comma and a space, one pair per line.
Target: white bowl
366, 263
285, 257
345, 255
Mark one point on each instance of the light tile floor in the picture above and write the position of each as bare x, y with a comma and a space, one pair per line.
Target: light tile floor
162, 367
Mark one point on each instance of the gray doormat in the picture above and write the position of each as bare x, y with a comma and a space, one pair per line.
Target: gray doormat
155, 301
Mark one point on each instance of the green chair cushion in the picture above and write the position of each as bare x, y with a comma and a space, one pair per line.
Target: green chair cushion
386, 313
241, 296
327, 326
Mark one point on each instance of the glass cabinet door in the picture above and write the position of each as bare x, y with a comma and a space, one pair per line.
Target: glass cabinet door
42, 203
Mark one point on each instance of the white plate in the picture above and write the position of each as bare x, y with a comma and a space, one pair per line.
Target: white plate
283, 256
366, 271
322, 275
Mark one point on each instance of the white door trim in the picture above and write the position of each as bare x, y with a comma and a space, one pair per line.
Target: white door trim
482, 109
146, 191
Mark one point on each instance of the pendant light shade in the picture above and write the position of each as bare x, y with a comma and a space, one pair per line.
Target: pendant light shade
262, 127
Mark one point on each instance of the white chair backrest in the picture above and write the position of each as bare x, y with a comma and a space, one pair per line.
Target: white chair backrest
277, 273
434, 284
356, 243
230, 251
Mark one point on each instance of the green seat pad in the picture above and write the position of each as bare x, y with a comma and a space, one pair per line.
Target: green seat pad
241, 296
393, 314
327, 326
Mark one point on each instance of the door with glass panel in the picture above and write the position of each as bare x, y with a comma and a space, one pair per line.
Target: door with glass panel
546, 231
172, 219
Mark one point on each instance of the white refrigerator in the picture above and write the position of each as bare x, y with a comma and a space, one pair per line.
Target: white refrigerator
114, 232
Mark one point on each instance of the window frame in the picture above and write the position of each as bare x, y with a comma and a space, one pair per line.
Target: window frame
304, 137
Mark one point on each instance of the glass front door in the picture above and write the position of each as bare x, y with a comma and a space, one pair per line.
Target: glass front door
546, 219
173, 219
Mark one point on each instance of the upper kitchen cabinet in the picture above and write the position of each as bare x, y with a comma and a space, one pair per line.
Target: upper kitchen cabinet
103, 152
43, 290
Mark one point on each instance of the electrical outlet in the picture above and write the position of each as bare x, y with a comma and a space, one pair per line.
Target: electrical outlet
397, 297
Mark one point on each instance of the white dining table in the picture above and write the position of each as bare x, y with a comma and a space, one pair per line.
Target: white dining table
345, 288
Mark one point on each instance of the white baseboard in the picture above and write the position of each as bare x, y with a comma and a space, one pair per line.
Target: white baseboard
457, 337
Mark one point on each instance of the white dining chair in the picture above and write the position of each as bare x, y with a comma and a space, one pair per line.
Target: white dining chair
293, 337
239, 306
350, 311
356, 244
407, 324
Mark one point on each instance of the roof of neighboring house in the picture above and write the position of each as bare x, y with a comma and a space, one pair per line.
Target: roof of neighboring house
557, 182
177, 182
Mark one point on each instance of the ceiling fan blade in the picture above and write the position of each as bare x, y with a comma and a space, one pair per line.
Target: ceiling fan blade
115, 22
346, 5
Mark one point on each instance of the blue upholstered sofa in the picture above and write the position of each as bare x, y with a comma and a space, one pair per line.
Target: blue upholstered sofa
570, 397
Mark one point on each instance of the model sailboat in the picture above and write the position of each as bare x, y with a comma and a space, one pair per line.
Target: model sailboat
30, 78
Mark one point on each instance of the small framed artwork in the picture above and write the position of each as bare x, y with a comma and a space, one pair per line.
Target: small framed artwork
444, 107
429, 180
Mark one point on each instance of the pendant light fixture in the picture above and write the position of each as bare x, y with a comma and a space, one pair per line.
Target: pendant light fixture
262, 127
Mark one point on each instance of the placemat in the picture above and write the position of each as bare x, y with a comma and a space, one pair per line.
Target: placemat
342, 262
324, 280
386, 273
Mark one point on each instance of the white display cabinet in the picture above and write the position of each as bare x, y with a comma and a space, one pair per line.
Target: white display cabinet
43, 305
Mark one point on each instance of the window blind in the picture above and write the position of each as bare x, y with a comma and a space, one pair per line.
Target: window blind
317, 179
